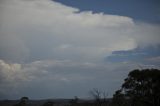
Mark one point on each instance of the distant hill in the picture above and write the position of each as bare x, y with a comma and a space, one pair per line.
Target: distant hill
58, 102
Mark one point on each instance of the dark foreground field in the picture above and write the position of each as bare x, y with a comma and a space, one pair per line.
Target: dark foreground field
53, 102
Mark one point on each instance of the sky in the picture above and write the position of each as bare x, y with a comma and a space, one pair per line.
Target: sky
65, 48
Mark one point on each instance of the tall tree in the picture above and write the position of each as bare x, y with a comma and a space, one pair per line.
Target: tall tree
142, 87
119, 98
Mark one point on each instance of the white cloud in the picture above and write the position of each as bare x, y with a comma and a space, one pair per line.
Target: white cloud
40, 29
11, 77
10, 72
146, 34
30, 27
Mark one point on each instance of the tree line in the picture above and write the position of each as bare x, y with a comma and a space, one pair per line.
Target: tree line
140, 88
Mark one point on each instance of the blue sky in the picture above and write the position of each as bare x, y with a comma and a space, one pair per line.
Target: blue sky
65, 48
146, 11
136, 55
139, 10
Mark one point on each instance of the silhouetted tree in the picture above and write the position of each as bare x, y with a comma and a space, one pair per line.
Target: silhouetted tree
142, 87
105, 95
23, 101
98, 96
119, 98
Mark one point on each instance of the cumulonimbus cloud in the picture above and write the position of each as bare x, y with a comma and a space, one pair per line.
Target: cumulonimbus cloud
40, 29
32, 32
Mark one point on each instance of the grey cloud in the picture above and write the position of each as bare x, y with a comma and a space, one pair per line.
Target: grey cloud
55, 75
146, 34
